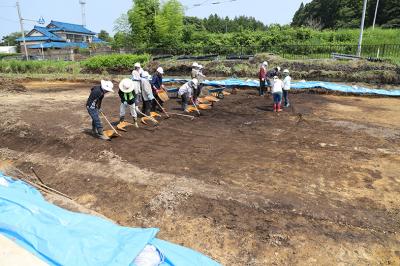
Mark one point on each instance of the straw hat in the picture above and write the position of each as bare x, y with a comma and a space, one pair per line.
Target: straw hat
126, 85
107, 85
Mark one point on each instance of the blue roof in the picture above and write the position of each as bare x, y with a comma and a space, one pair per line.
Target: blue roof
47, 35
69, 27
59, 45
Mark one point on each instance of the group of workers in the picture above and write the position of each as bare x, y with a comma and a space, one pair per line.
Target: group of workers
271, 81
140, 88
131, 92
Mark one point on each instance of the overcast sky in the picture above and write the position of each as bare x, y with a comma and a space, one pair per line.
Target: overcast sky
101, 14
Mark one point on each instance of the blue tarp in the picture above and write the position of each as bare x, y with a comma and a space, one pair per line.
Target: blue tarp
298, 86
61, 237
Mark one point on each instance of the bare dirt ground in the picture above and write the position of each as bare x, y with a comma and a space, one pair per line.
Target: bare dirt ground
317, 184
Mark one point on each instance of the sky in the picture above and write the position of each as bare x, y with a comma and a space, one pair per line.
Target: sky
101, 14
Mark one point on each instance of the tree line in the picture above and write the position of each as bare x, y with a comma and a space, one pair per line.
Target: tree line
335, 14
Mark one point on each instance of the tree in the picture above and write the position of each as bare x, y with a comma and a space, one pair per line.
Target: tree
142, 21
169, 23
123, 33
10, 40
105, 36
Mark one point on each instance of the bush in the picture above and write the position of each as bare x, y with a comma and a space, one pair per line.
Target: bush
114, 63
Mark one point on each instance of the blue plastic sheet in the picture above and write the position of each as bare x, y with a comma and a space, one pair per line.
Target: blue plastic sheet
299, 86
61, 237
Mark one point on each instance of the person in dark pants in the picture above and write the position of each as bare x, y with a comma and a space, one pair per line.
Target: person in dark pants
93, 106
262, 75
156, 84
270, 76
186, 93
146, 92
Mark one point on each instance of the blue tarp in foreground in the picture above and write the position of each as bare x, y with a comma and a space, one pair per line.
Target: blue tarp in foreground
61, 237
298, 86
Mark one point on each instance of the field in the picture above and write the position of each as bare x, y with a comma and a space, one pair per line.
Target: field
315, 184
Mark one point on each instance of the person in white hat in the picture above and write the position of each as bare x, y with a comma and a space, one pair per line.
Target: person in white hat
197, 73
93, 106
286, 87
137, 71
157, 85
262, 75
146, 93
186, 92
128, 97
277, 88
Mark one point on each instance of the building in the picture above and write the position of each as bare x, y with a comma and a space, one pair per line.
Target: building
59, 35
8, 49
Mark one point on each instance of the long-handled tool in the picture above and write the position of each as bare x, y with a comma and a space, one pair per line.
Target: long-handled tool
197, 109
162, 108
37, 176
109, 123
188, 116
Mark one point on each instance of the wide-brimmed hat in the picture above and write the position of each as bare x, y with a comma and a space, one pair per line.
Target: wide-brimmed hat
265, 63
137, 65
145, 74
126, 85
201, 66
195, 82
286, 71
195, 64
107, 85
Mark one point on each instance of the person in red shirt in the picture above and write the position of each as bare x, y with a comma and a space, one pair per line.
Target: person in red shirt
262, 75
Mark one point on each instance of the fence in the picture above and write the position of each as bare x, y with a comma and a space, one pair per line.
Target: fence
383, 51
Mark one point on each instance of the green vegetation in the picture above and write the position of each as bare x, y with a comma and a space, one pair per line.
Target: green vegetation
335, 14
41, 67
113, 63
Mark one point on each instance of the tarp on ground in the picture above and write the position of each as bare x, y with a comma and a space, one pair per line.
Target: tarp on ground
61, 237
299, 86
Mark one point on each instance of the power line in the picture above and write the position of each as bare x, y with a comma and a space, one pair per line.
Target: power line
9, 20
205, 3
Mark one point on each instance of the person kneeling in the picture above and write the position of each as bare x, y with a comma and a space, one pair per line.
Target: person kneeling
93, 106
186, 93
128, 96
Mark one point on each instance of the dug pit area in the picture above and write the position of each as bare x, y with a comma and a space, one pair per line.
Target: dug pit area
316, 184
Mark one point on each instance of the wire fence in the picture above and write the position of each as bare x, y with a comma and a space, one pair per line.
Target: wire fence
291, 52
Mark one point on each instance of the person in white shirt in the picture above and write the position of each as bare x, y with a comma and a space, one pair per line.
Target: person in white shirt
286, 87
277, 88
186, 93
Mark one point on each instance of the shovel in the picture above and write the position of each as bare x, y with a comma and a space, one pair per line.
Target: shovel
148, 117
110, 133
162, 108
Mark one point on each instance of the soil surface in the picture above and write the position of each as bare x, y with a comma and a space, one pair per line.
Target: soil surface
316, 184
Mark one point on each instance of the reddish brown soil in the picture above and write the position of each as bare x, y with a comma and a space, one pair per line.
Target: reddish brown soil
315, 184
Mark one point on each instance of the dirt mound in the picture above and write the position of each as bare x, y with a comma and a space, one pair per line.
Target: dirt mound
8, 85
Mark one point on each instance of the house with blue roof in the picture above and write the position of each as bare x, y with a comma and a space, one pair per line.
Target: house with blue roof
59, 35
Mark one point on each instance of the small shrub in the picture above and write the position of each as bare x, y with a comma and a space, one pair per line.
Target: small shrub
114, 63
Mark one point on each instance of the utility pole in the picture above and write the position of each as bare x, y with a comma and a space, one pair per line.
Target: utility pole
83, 3
376, 12
362, 28
21, 22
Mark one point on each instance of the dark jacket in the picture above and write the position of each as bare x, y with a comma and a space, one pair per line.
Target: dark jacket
95, 98
156, 82
272, 73
262, 74
127, 97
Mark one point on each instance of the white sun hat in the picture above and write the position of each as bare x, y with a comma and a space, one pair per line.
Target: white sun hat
276, 77
107, 85
145, 74
160, 70
195, 64
195, 82
265, 63
126, 85
201, 66
137, 65
286, 71
279, 68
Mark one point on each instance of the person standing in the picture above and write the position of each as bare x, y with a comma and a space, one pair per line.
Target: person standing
286, 87
156, 85
277, 88
262, 75
128, 96
186, 93
136, 72
270, 76
93, 106
146, 92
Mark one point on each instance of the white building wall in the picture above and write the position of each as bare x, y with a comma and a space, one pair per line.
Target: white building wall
8, 49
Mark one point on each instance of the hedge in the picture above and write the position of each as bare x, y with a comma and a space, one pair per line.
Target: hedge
114, 63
